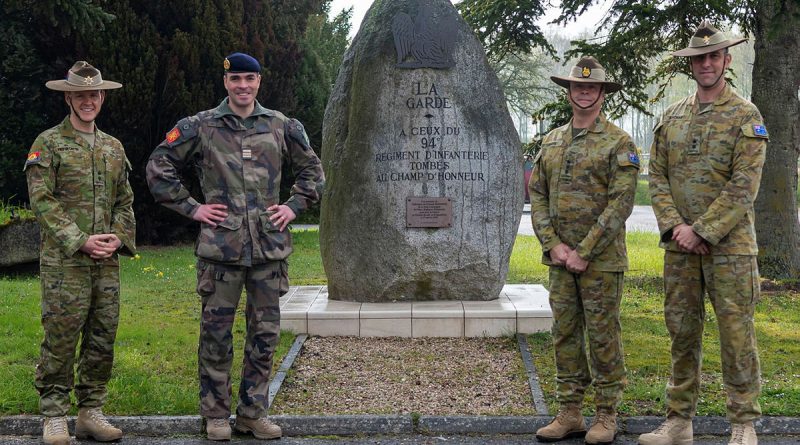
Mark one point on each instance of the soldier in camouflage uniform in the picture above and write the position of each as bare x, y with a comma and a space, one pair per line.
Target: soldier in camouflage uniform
78, 188
582, 189
705, 169
238, 149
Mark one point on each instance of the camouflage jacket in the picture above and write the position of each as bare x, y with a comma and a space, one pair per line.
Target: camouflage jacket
705, 169
77, 190
582, 192
239, 164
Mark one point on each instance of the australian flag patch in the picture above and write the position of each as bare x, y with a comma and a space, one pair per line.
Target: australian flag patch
633, 158
760, 130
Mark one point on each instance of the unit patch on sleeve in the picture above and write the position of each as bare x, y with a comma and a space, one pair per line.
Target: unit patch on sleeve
173, 135
34, 158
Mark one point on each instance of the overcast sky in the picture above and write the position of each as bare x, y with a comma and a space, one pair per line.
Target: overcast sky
587, 21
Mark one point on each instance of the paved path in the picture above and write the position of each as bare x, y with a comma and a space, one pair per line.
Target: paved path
522, 439
642, 219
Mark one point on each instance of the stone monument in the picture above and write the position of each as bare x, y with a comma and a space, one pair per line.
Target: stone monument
423, 164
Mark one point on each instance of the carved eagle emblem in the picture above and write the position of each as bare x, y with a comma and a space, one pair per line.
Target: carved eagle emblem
422, 44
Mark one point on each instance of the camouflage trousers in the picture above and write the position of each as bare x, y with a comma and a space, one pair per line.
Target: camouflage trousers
732, 285
220, 287
78, 302
587, 306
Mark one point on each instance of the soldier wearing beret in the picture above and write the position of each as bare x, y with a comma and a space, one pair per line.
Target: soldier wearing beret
705, 169
78, 188
238, 149
582, 189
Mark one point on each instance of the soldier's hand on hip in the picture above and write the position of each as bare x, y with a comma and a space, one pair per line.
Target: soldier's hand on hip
211, 214
283, 215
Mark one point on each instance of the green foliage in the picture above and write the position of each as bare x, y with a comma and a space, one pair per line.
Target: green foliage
10, 212
506, 26
168, 56
323, 44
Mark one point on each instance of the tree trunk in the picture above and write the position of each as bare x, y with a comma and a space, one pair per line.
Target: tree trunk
776, 79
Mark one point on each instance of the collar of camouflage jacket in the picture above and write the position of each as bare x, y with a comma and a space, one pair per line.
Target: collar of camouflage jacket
598, 127
223, 109
67, 130
724, 96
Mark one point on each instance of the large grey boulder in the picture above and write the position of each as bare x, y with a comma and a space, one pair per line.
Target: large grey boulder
19, 242
418, 113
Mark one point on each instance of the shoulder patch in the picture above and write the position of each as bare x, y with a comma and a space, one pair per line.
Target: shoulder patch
173, 135
629, 159
755, 131
298, 133
183, 131
37, 158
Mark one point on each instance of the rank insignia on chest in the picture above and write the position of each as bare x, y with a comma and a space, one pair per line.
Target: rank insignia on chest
173, 135
633, 158
247, 154
760, 130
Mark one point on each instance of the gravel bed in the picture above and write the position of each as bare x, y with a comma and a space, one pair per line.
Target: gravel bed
428, 376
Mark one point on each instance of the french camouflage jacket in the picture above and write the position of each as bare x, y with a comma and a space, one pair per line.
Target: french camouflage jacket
77, 190
582, 191
705, 170
238, 163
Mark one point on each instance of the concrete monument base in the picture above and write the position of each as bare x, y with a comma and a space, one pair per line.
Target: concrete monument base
520, 308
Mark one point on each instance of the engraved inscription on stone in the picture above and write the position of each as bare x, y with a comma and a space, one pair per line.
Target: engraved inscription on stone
423, 211
421, 43
430, 147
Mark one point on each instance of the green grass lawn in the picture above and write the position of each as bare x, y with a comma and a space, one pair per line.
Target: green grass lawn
156, 366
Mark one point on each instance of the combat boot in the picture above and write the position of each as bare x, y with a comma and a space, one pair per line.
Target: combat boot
92, 423
743, 434
569, 422
218, 428
604, 428
54, 431
261, 428
674, 431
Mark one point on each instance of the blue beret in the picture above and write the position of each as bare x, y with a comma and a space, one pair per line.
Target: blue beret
241, 63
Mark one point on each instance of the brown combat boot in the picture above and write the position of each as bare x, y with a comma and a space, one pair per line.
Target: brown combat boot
604, 428
218, 428
743, 434
54, 431
92, 423
261, 428
569, 422
674, 431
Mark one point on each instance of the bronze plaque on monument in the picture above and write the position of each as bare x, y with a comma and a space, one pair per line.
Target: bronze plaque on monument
423, 211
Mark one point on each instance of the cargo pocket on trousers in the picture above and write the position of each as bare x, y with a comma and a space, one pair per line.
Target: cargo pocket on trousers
206, 285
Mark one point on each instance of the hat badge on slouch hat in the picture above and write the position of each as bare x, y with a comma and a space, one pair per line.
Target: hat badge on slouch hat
707, 39
82, 77
587, 70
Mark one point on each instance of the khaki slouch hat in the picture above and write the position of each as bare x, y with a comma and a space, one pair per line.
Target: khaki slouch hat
587, 70
707, 39
82, 77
